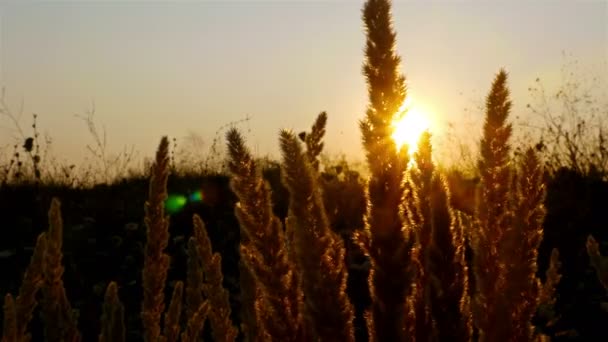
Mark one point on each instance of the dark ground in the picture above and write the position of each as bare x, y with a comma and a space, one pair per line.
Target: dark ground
104, 235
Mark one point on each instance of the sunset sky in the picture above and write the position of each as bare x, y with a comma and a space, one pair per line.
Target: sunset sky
175, 67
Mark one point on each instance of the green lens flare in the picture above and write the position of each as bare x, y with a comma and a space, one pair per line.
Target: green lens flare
175, 203
196, 196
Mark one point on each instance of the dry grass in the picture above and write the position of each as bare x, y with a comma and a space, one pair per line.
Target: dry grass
295, 278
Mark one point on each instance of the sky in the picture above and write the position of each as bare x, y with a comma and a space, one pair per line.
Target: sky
181, 67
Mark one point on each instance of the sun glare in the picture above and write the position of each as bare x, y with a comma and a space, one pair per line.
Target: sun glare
409, 124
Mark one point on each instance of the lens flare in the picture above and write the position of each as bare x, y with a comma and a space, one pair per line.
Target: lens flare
196, 196
175, 203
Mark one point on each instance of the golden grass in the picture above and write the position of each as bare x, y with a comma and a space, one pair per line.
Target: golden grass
294, 279
113, 316
264, 249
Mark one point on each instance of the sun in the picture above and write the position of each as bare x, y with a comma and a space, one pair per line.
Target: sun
409, 124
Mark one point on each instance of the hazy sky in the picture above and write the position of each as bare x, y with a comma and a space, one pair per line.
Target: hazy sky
170, 68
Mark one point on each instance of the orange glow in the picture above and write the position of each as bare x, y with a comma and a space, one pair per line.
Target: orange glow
409, 124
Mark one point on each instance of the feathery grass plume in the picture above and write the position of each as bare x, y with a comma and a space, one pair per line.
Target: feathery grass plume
59, 319
291, 253
215, 293
384, 239
25, 303
416, 214
490, 311
546, 298
318, 250
410, 217
521, 243
195, 324
598, 261
314, 140
251, 295
451, 308
33, 279
172, 326
552, 278
441, 296
9, 329
263, 245
156, 261
113, 316
194, 280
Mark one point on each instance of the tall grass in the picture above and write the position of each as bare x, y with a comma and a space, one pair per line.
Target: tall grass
294, 278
